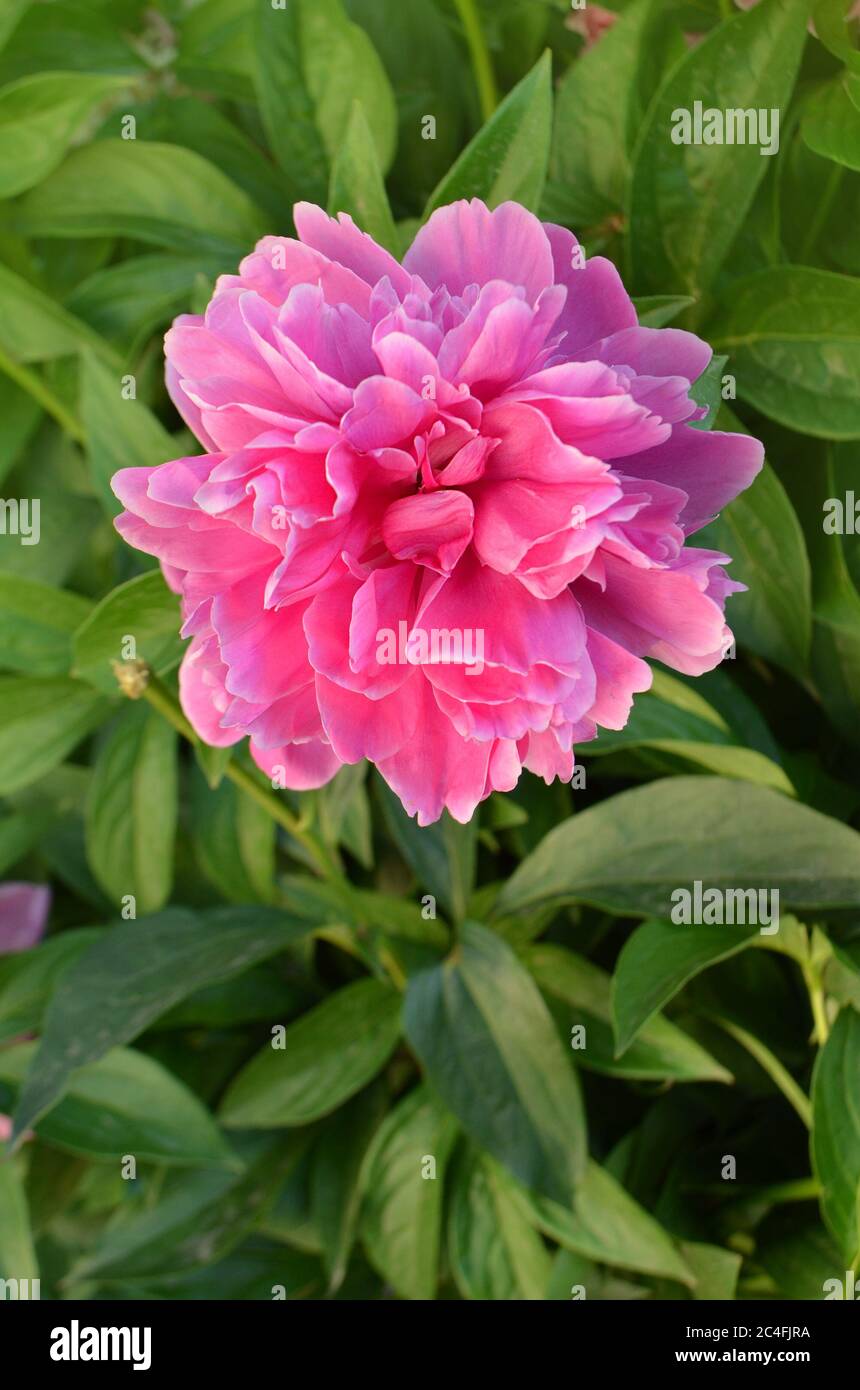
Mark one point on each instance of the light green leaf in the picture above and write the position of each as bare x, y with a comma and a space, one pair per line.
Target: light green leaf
147, 191
491, 1051
598, 112
234, 840
42, 718
312, 64
120, 431
836, 1132
37, 622
17, 1252
132, 810
39, 117
402, 1212
495, 1252
34, 328
688, 201
357, 185
508, 157
144, 609
656, 310
794, 336
831, 121
605, 1224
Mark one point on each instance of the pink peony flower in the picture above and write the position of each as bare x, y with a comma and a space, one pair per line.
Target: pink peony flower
592, 23
441, 517
24, 911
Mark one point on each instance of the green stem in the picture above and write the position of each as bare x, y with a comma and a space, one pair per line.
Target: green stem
774, 1068
480, 56
33, 384
161, 699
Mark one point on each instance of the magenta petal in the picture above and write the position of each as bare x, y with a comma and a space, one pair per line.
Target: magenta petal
24, 909
442, 519
466, 244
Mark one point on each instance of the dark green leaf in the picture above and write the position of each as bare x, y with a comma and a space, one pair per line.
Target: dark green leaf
139, 971
488, 1044
630, 852
328, 1055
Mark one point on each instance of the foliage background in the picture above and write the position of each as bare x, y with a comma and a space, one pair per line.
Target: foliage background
304, 1170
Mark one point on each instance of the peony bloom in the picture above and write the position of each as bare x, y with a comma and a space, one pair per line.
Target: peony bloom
24, 909
441, 517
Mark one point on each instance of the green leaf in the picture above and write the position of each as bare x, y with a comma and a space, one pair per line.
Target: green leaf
435, 80
126, 1103
835, 27
605, 1224
17, 1252
28, 979
657, 960
598, 111
42, 718
794, 336
18, 834
143, 609
442, 856
831, 121
489, 1047
508, 157
656, 310
674, 719
357, 185
34, 328
147, 191
689, 201
325, 1057
132, 810
20, 415
216, 48
199, 1219
37, 622
662, 1051
338, 1158
129, 300
836, 1132
716, 1270
495, 1252
761, 532
234, 840
39, 117
129, 979
73, 35
404, 1180
629, 853
835, 657
312, 64
120, 431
